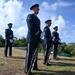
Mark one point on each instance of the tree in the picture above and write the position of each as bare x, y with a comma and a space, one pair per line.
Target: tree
19, 42
1, 41
70, 49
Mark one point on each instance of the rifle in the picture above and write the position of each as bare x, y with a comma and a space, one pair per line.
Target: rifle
33, 60
49, 54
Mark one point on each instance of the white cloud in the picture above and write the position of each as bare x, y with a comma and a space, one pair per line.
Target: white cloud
66, 34
46, 5
73, 32
2, 3
64, 31
56, 5
12, 11
58, 21
20, 32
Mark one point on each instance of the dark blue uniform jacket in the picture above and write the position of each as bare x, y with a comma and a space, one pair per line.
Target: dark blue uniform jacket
55, 37
34, 30
47, 35
8, 34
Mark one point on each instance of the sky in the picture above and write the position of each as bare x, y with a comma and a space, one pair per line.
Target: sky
61, 12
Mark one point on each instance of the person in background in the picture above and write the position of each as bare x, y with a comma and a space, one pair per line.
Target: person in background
47, 40
56, 42
8, 40
33, 36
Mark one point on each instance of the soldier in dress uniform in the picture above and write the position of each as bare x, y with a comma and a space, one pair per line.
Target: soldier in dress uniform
47, 40
56, 42
33, 36
8, 40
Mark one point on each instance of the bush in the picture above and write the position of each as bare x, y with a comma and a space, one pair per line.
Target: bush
40, 50
69, 49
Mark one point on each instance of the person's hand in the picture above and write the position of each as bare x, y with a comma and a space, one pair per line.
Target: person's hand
11, 40
42, 34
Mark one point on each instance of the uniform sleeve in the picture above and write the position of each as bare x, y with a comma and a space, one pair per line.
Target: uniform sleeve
58, 37
53, 37
6, 33
31, 23
12, 34
46, 33
38, 32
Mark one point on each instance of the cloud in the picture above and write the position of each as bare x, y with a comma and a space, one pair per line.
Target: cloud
73, 32
68, 36
12, 11
20, 32
65, 29
1, 3
65, 33
58, 21
56, 5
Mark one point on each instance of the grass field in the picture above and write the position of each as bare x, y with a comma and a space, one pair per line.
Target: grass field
15, 65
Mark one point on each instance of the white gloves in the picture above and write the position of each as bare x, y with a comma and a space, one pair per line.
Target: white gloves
11, 40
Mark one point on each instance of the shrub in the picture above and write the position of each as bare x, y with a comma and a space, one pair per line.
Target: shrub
69, 49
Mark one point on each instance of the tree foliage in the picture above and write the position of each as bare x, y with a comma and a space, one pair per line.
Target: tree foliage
1, 41
70, 48
21, 42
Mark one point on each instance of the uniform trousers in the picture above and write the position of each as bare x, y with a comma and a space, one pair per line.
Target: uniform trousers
31, 47
8, 45
55, 50
46, 51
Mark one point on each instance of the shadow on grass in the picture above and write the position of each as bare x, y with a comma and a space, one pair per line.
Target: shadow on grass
51, 63
17, 57
61, 64
47, 72
67, 59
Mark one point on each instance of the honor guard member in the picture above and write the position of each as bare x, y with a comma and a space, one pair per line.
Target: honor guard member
33, 36
8, 40
47, 40
56, 41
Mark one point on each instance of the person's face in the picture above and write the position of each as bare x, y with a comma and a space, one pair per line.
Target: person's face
49, 24
10, 26
56, 29
35, 10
